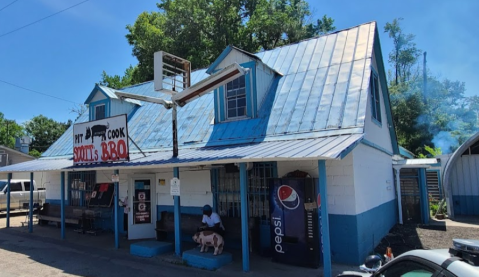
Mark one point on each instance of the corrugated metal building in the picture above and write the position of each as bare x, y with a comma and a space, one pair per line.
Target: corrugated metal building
322, 101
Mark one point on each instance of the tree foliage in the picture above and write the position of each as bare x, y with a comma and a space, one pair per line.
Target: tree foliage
437, 116
9, 130
44, 132
200, 30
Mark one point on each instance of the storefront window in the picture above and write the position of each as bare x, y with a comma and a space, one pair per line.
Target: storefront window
80, 186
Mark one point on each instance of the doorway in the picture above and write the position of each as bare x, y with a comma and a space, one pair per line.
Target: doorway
142, 200
410, 195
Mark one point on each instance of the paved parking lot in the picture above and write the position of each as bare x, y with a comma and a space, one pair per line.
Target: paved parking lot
43, 253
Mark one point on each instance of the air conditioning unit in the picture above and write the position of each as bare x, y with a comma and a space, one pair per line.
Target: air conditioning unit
3, 159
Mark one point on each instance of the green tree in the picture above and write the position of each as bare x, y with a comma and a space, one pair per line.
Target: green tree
200, 30
44, 132
9, 130
405, 53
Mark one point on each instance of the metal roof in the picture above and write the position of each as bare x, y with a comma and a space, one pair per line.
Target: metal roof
304, 149
323, 93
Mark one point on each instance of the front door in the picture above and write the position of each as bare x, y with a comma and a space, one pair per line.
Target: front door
142, 216
410, 195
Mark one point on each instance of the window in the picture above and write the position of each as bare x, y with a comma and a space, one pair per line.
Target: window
236, 98
27, 186
100, 112
16, 187
80, 186
407, 269
375, 99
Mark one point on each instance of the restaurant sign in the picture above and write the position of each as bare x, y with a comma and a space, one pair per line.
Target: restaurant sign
101, 141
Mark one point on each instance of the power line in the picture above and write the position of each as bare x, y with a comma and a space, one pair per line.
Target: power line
14, 85
8, 5
41, 19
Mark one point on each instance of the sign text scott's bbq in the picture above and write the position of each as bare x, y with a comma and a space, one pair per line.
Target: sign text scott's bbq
100, 141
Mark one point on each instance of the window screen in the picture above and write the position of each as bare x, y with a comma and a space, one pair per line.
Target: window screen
100, 112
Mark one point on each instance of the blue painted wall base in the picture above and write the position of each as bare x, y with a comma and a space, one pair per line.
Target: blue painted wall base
150, 249
207, 260
353, 237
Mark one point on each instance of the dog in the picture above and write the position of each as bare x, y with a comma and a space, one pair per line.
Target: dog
207, 239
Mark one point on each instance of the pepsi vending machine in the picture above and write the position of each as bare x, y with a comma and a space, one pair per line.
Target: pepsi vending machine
295, 238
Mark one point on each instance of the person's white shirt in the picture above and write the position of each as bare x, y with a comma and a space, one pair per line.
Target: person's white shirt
212, 220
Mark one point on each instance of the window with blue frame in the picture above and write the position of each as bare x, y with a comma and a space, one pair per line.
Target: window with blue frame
375, 98
236, 98
100, 112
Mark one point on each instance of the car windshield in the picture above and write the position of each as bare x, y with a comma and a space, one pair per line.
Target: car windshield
2, 185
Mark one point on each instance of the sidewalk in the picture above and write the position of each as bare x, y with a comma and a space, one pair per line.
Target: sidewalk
102, 246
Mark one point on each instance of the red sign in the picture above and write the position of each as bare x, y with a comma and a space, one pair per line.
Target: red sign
104, 140
319, 200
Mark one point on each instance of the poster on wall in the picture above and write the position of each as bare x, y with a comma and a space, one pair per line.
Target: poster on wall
142, 202
101, 141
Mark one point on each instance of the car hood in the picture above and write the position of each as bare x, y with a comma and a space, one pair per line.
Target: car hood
354, 274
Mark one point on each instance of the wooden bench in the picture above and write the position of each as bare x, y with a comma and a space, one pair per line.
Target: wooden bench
51, 212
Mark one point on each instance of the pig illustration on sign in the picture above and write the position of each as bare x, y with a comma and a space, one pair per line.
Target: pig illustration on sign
209, 238
97, 131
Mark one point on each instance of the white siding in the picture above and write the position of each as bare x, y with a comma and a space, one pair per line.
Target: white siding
118, 107
232, 57
373, 178
52, 185
340, 181
378, 135
98, 96
264, 78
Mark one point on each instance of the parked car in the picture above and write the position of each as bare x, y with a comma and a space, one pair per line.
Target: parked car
20, 194
462, 260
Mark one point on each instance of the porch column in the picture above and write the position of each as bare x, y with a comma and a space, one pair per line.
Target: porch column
8, 199
214, 185
244, 216
398, 192
30, 212
177, 212
324, 229
62, 203
117, 239
424, 199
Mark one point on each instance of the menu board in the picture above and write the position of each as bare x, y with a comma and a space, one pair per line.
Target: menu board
102, 195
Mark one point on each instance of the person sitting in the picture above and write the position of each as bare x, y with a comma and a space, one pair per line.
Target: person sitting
211, 221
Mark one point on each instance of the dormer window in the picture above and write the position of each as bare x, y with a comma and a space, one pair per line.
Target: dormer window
236, 98
100, 112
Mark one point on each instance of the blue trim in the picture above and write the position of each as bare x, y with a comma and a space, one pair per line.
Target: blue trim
222, 103
244, 215
406, 153
353, 237
216, 104
385, 91
375, 146
323, 215
349, 149
465, 204
218, 60
214, 187
94, 92
62, 203
423, 196
177, 212
8, 199
30, 207
115, 203
106, 102
133, 111
439, 183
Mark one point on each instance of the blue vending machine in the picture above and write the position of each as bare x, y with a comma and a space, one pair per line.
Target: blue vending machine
294, 221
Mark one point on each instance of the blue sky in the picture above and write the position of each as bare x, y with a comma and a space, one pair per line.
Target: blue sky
64, 55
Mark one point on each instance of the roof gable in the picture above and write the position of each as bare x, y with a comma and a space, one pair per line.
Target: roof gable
323, 92
108, 93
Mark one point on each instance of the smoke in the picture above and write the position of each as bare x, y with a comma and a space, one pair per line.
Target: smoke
445, 141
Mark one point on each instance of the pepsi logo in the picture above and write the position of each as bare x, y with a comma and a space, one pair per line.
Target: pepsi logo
288, 197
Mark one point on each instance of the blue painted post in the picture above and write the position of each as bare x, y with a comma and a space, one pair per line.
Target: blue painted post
214, 183
117, 237
8, 199
244, 216
177, 212
62, 203
324, 219
423, 196
30, 212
